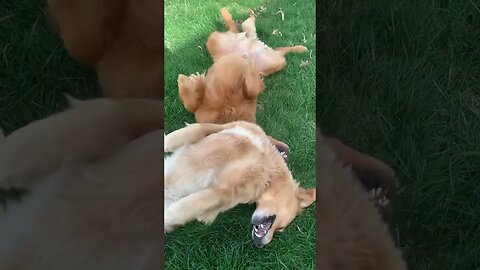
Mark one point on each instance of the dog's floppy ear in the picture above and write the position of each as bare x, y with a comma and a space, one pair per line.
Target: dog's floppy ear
253, 81
191, 90
306, 196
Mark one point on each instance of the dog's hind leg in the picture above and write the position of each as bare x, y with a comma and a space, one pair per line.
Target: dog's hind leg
229, 191
296, 49
227, 17
248, 26
191, 134
190, 207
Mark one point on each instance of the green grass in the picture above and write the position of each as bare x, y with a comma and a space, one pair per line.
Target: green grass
286, 110
34, 68
401, 80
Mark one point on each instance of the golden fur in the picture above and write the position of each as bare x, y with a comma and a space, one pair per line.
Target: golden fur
97, 202
232, 164
350, 232
247, 44
87, 130
228, 92
121, 39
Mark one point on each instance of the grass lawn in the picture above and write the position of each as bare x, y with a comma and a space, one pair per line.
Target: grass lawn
34, 68
286, 111
401, 80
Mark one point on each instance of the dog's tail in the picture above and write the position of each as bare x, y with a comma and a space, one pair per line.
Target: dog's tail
295, 49
227, 17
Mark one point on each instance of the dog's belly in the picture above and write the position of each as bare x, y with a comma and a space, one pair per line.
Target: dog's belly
193, 168
261, 54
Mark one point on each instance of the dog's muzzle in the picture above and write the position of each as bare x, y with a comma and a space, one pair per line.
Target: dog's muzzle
260, 228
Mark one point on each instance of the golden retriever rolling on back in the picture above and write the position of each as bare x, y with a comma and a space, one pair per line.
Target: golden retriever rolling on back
215, 167
246, 44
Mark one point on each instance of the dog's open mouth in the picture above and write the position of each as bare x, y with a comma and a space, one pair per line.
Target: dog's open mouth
283, 152
260, 229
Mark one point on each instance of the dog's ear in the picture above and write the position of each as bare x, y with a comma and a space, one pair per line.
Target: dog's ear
191, 90
253, 81
306, 196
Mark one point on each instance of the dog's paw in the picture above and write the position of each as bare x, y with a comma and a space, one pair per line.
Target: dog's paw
185, 81
168, 228
301, 49
168, 143
182, 79
208, 217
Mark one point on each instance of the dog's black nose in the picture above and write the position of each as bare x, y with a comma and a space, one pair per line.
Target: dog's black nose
258, 245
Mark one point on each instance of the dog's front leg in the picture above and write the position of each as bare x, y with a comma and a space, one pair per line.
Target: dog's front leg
190, 134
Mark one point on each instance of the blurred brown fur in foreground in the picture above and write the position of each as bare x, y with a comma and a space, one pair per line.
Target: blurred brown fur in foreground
95, 178
122, 39
350, 231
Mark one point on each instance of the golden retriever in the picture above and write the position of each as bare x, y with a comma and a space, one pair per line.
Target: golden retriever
121, 39
246, 44
97, 202
215, 167
350, 232
88, 129
229, 89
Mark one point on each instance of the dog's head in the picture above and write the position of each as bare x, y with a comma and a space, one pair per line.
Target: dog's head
277, 207
233, 78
